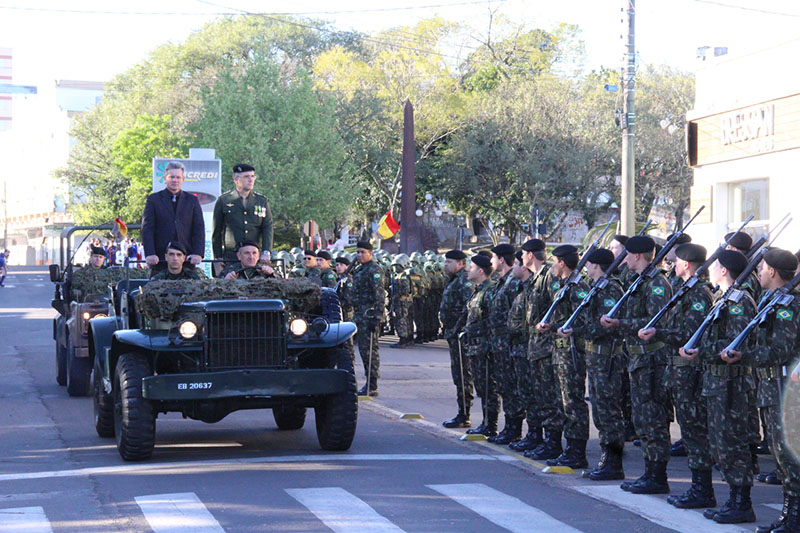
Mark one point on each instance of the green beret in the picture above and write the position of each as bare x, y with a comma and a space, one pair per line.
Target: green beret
482, 261
601, 256
564, 250
694, 253
734, 260
781, 259
740, 240
533, 245
640, 244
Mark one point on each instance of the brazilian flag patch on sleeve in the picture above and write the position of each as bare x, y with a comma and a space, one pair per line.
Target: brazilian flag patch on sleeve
556, 285
658, 291
785, 314
700, 307
376, 275
581, 294
609, 302
736, 310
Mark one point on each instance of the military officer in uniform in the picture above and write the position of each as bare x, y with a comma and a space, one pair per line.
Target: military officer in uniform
368, 305
176, 255
344, 286
310, 264
241, 215
248, 268
326, 274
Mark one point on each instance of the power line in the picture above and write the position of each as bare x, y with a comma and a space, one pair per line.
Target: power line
744, 8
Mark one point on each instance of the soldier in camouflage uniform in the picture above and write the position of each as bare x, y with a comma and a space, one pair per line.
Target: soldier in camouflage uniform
454, 301
310, 264
344, 287
604, 358
175, 256
774, 355
503, 295
247, 268
684, 378
368, 306
327, 276
569, 362
432, 303
421, 289
474, 324
625, 277
646, 364
728, 386
402, 301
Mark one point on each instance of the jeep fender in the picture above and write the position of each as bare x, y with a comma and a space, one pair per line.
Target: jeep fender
335, 335
101, 332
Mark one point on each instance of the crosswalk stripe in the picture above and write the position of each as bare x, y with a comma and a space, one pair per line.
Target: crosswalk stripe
656, 510
27, 519
177, 513
505, 511
341, 511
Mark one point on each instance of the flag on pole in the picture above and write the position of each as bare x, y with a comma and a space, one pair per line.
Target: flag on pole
120, 230
388, 226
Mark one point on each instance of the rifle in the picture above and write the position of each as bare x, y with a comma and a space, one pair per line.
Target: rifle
692, 281
764, 238
575, 276
600, 284
652, 269
779, 297
346, 273
732, 295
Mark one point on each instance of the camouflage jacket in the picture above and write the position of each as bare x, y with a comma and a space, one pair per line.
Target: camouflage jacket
368, 290
454, 301
344, 287
566, 306
517, 323
474, 321
328, 278
502, 296
244, 273
401, 288
313, 272
651, 296
625, 276
185, 273
676, 328
539, 299
588, 327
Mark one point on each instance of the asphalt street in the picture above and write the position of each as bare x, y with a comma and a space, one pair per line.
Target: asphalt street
242, 474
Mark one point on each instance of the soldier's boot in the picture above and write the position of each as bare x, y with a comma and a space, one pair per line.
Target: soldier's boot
630, 432
678, 449
754, 457
491, 424
418, 339
511, 433
770, 478
529, 442
792, 521
740, 509
574, 455
778, 522
763, 448
549, 449
610, 465
403, 342
700, 495
648, 472
461, 420
655, 484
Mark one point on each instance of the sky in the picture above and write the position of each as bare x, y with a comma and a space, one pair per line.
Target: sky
94, 40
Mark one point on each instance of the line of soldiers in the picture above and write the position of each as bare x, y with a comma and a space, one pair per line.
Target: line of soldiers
504, 316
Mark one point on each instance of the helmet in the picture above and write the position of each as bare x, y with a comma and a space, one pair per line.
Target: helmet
416, 257
296, 250
401, 260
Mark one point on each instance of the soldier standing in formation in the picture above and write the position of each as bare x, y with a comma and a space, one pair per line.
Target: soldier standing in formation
326, 274
344, 287
368, 305
402, 302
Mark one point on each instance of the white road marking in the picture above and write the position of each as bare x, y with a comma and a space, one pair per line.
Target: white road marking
27, 519
776, 506
504, 510
178, 513
341, 511
119, 469
656, 510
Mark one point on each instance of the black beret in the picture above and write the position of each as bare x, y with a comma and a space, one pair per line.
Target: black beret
533, 245
741, 241
683, 239
620, 238
365, 245
343, 260
694, 253
564, 250
242, 167
640, 244
601, 256
177, 245
485, 253
518, 256
503, 249
458, 255
247, 243
324, 254
99, 250
312, 253
482, 261
734, 260
781, 259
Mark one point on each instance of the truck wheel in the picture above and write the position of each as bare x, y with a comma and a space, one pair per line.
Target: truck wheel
61, 365
134, 420
289, 416
336, 415
78, 373
329, 302
103, 406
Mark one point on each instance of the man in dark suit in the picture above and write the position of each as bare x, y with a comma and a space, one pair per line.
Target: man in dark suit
172, 215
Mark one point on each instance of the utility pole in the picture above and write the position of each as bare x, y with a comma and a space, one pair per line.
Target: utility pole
628, 178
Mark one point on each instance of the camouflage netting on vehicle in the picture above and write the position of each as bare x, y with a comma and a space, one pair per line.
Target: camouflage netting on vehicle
159, 300
87, 281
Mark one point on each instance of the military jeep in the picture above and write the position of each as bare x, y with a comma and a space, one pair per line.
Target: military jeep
211, 347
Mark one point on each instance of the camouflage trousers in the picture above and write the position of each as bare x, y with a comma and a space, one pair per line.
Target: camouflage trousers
483, 370
729, 402
461, 370
649, 413
605, 389
373, 370
419, 316
540, 393
403, 325
506, 377
784, 455
686, 385
570, 369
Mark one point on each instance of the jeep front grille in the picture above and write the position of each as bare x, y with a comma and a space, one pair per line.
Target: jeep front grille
245, 339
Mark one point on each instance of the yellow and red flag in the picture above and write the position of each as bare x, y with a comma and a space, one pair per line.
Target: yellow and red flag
120, 230
388, 226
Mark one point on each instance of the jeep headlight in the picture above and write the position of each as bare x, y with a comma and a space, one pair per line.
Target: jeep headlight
298, 327
87, 315
100, 315
187, 329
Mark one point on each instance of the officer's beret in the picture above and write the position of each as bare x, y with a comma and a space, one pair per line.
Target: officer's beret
797, 255
343, 260
518, 256
242, 167
482, 261
177, 245
312, 253
564, 250
485, 253
734, 260
99, 250
683, 239
247, 243
365, 245
533, 245
620, 238
781, 259
694, 253
324, 254
503, 249
640, 244
458, 255
601, 256
740, 241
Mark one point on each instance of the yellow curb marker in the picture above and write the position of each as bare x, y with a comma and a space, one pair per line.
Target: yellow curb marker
411, 416
558, 470
364, 399
471, 437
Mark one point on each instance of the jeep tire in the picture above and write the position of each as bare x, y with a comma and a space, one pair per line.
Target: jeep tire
330, 307
103, 406
336, 415
61, 364
134, 419
289, 417
78, 373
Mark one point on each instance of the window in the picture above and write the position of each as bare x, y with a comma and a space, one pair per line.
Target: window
747, 198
